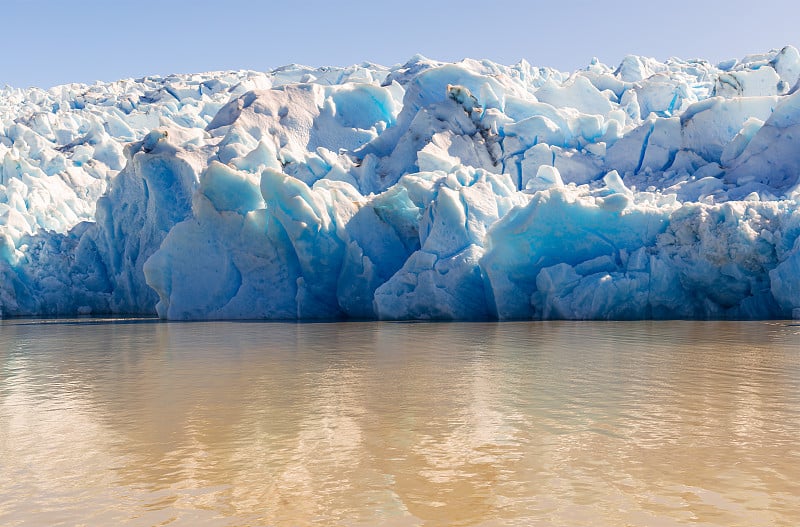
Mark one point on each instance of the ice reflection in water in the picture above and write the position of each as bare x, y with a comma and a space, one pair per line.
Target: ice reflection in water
145, 423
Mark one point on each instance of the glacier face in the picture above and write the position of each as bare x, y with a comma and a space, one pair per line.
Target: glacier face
426, 190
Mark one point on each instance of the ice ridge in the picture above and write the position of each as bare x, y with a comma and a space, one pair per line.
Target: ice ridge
427, 190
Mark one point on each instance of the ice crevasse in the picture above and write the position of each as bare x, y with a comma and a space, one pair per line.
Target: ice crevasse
426, 190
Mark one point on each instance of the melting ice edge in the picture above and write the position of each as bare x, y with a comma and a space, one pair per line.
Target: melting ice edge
427, 190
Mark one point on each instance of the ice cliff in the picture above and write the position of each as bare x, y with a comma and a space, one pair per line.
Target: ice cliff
427, 190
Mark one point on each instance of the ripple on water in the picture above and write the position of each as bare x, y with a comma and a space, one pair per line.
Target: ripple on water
139, 422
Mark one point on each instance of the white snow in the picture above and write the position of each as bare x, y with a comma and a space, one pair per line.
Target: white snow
427, 190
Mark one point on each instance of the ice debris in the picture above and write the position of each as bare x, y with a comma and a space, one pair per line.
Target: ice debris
427, 190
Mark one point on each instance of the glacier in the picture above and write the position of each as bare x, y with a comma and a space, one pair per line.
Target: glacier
425, 190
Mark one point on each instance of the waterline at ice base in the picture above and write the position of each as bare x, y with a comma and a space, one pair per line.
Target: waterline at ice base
427, 190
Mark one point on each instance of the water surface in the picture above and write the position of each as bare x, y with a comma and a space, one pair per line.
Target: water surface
140, 422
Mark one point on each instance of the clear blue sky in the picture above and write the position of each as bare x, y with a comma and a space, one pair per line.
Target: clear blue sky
48, 42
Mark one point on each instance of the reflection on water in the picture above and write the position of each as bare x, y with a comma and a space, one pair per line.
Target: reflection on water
647, 423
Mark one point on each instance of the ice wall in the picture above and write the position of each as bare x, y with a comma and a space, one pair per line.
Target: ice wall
426, 191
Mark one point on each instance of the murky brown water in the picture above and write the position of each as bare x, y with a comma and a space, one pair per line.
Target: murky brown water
371, 424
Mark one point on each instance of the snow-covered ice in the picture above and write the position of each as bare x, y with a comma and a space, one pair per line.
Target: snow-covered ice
426, 190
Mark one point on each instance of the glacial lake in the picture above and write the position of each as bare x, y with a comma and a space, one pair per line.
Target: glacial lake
143, 422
